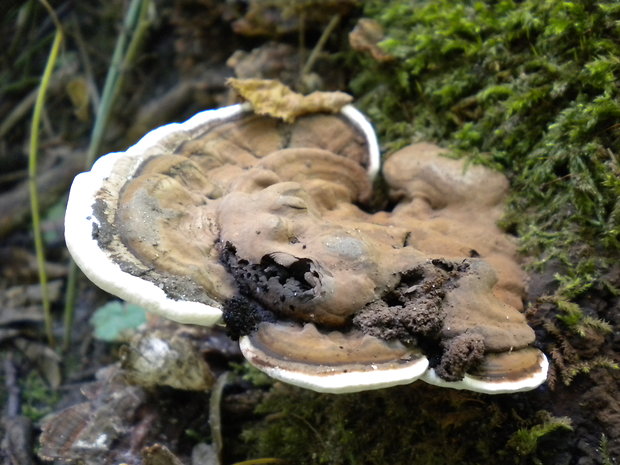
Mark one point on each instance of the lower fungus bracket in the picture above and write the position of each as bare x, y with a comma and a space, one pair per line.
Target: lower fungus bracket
313, 359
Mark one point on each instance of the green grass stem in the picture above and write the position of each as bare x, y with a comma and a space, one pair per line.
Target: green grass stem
134, 28
113, 79
32, 181
318, 48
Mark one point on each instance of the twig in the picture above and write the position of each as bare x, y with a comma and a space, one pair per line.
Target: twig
23, 107
12, 388
318, 48
13, 176
54, 179
302, 42
263, 461
32, 174
215, 417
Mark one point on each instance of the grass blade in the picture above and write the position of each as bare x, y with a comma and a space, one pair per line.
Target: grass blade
32, 181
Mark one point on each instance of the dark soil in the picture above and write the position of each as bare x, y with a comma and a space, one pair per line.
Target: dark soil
413, 309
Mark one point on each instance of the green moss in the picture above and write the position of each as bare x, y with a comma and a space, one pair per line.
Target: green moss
586, 366
416, 424
528, 87
606, 458
572, 316
525, 441
251, 374
38, 398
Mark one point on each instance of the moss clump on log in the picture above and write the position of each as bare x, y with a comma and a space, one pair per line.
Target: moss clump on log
414, 424
531, 88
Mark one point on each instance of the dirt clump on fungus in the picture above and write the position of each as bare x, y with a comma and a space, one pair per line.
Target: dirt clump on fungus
242, 315
413, 313
414, 307
460, 355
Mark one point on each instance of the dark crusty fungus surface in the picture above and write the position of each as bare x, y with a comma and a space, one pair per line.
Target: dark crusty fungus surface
260, 223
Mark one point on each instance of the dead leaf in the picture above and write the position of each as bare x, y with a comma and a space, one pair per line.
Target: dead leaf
85, 431
18, 265
30, 314
16, 444
161, 358
365, 37
158, 454
77, 88
45, 359
272, 98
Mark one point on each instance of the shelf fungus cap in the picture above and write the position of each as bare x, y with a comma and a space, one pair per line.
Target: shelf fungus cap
333, 362
506, 372
141, 223
256, 220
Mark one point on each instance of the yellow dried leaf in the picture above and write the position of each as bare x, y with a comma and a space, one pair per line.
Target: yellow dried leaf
270, 97
365, 37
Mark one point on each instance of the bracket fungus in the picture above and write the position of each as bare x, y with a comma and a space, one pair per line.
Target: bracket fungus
259, 223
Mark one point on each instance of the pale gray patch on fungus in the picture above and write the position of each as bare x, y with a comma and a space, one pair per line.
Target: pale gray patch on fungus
257, 222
